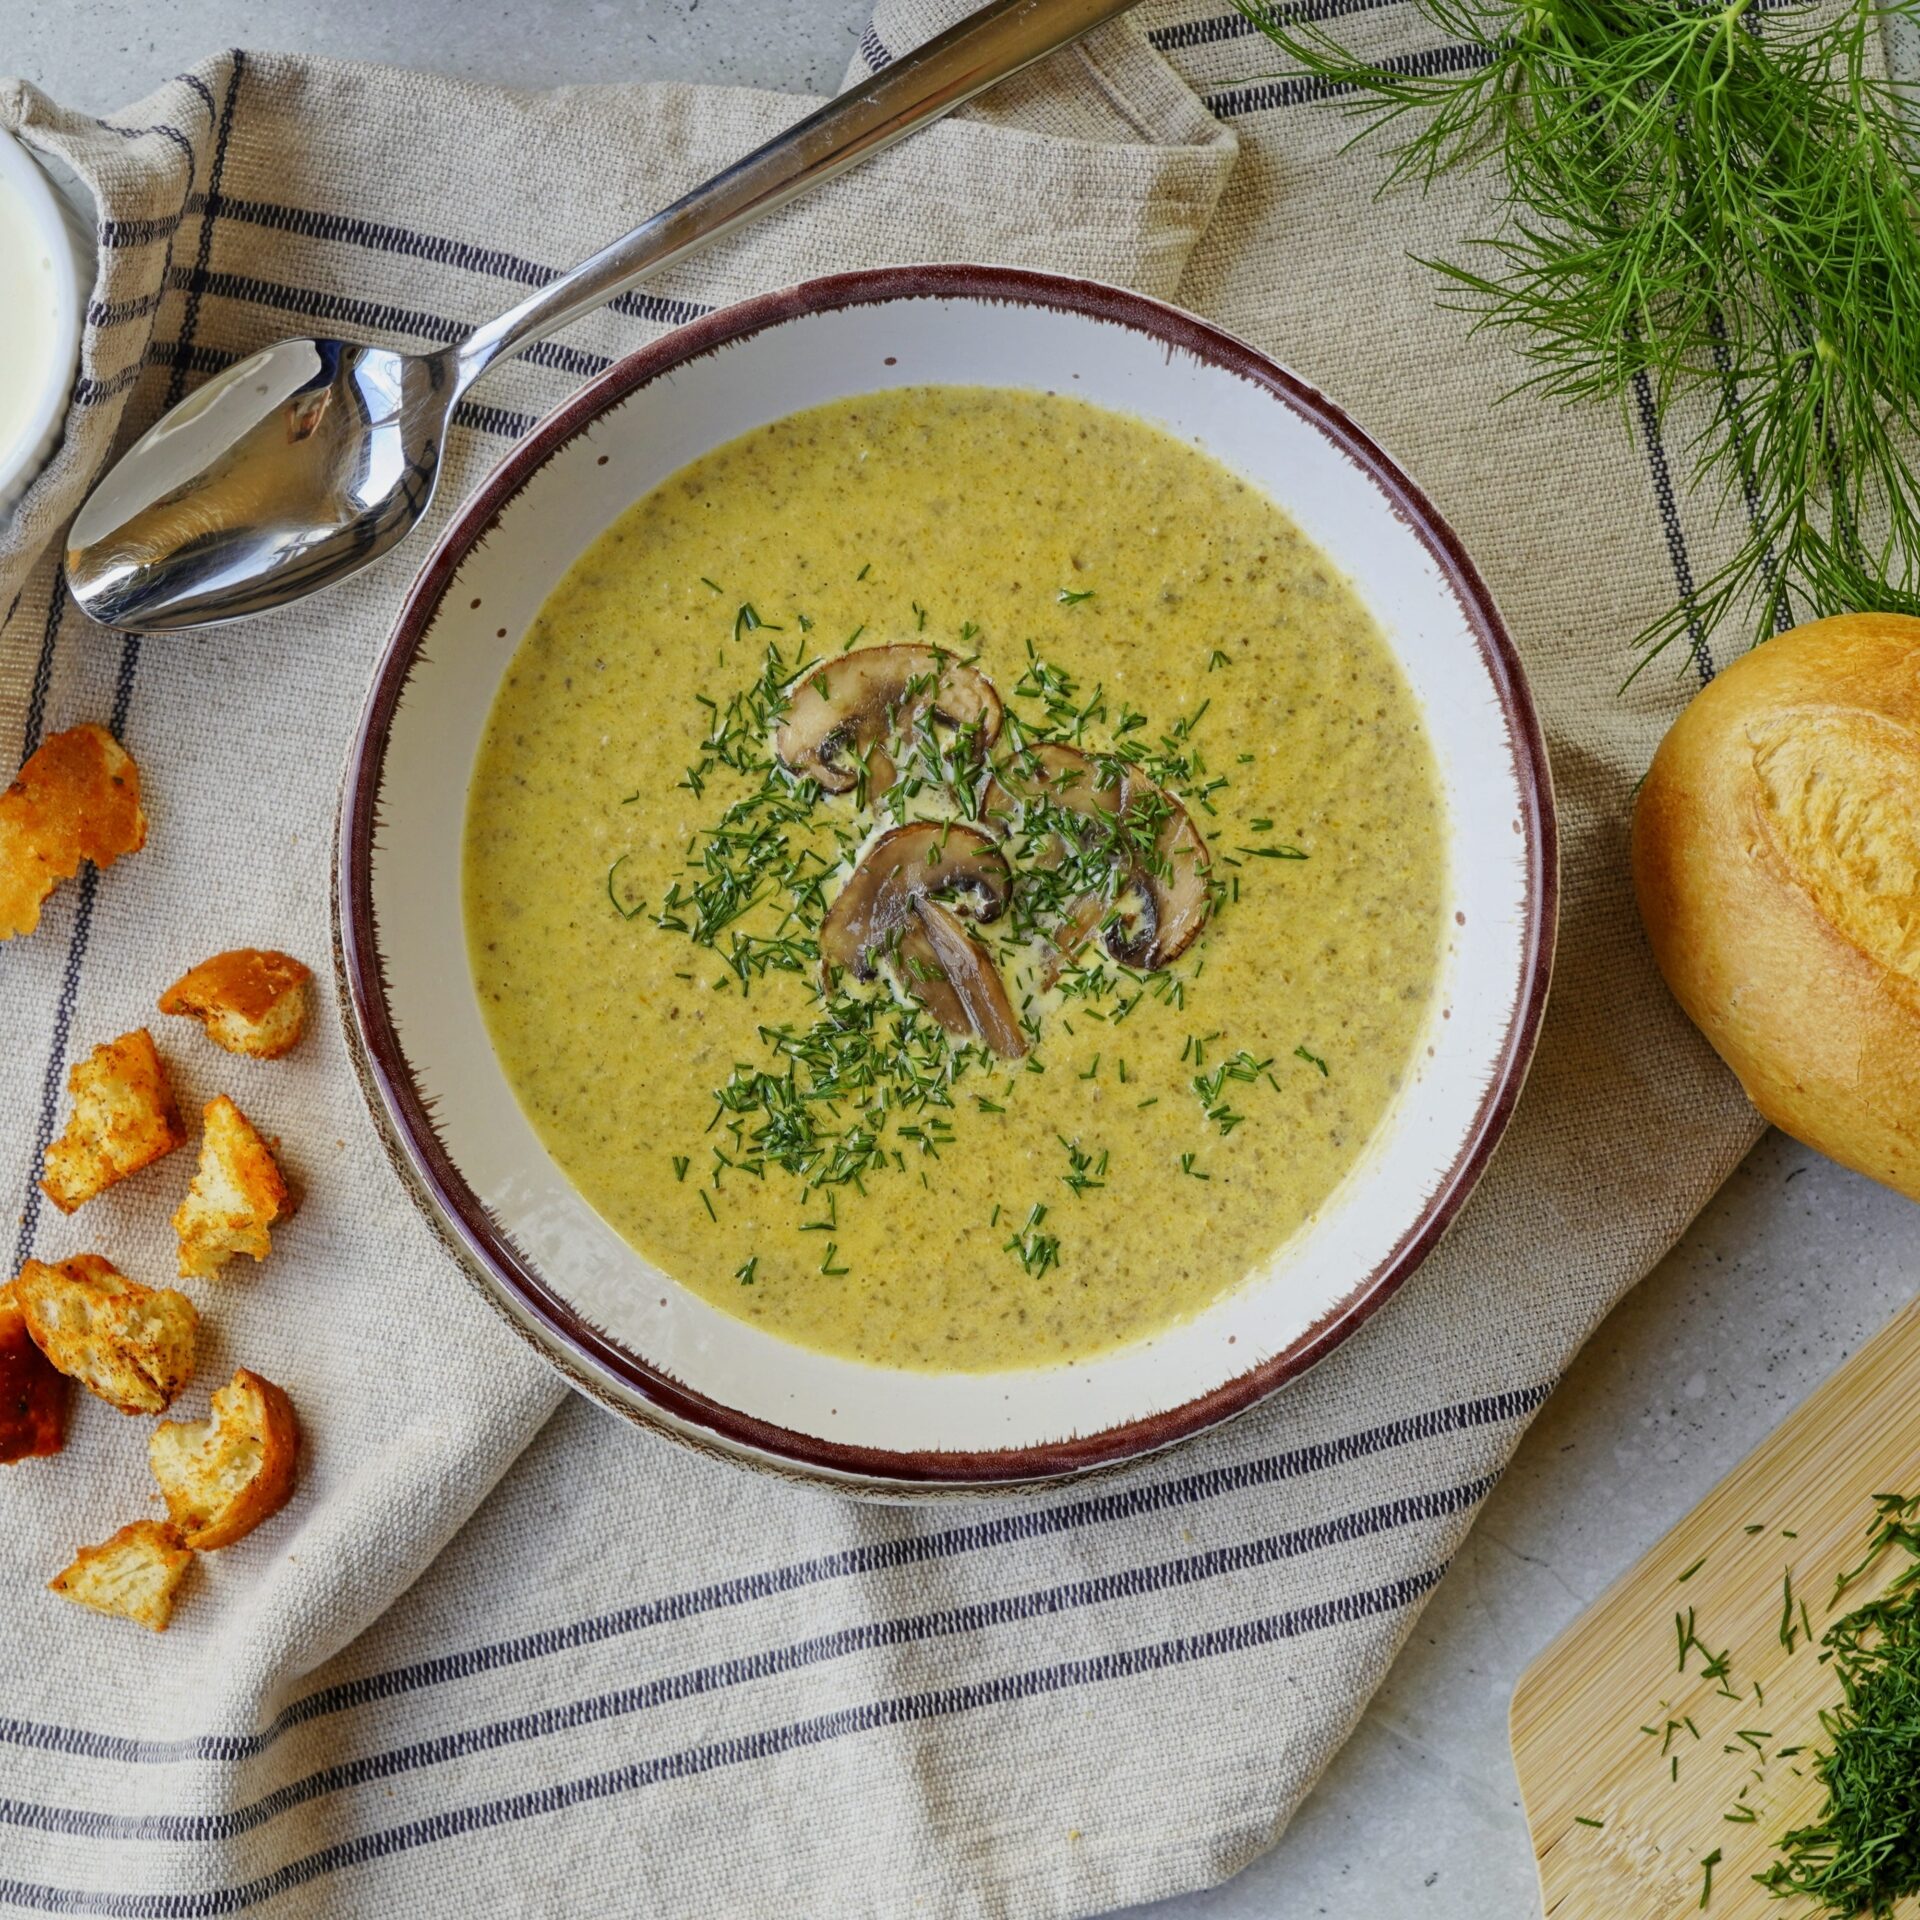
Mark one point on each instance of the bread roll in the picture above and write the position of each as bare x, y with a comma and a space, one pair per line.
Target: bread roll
1776, 856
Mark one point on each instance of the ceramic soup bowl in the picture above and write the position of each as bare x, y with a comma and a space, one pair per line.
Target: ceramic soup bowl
625, 1332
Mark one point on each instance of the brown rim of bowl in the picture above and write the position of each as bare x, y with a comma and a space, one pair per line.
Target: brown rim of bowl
500, 1265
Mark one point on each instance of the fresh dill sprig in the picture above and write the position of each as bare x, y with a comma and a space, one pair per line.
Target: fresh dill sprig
1694, 206
1036, 1251
1862, 1854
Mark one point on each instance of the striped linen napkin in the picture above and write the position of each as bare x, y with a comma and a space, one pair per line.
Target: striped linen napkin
636, 1680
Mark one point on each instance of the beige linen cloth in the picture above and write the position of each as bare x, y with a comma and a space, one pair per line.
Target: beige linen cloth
638, 1681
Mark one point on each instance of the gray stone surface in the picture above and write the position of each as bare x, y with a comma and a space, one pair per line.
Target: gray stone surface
1789, 1271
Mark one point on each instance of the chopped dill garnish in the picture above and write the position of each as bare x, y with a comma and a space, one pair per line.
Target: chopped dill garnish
1695, 1568
862, 1081
1086, 1172
1861, 1855
1243, 1069
1708, 1864
626, 913
1581, 1820
1312, 1060
1187, 1167
747, 621
681, 1163
1036, 1251
1072, 597
745, 1271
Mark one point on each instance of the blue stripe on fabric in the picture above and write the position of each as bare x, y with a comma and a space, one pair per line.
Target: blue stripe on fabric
874, 51
90, 880
383, 237
869, 1636
1220, 27
691, 1762
165, 132
1022, 1525
1308, 90
54, 1074
139, 233
205, 92
190, 320
1677, 555
356, 312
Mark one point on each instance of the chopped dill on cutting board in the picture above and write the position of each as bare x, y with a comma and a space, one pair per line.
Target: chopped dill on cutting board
1862, 1854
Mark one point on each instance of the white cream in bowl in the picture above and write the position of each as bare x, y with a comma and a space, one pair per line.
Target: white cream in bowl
44, 274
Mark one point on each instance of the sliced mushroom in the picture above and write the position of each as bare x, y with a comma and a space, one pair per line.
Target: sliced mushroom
1171, 888
901, 903
963, 990
1052, 770
845, 710
1158, 892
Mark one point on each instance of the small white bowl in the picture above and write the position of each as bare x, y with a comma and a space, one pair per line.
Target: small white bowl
59, 271
632, 1336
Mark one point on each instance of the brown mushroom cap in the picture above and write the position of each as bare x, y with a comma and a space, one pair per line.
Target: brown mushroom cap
1052, 770
843, 710
902, 902
1161, 890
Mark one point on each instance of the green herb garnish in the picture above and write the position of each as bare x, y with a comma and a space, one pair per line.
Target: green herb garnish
639, 906
1862, 1854
1036, 1251
1696, 209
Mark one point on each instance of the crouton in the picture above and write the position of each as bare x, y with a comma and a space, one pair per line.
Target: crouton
135, 1574
131, 1345
77, 798
124, 1118
33, 1391
222, 1477
251, 1000
236, 1196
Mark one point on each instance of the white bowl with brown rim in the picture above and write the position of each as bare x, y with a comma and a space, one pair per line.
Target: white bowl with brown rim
615, 1325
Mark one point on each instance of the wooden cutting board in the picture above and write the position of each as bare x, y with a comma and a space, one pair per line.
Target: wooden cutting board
1580, 1707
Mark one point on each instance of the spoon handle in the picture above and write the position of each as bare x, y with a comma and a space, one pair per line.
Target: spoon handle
999, 39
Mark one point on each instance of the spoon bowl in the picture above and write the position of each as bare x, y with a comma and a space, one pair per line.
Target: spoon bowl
294, 467
310, 459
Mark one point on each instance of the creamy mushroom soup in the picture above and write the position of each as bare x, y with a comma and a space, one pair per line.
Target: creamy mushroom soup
956, 878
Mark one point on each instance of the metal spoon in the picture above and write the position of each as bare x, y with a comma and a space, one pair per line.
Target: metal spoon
310, 459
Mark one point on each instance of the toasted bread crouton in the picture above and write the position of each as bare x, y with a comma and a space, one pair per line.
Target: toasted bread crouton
131, 1345
124, 1118
135, 1574
33, 1391
251, 1000
77, 798
236, 1196
222, 1477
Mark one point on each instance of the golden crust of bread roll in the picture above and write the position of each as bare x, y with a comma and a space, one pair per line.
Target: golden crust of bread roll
1776, 857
